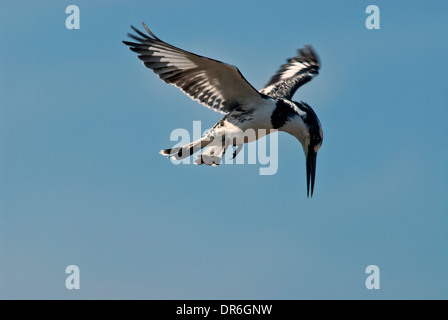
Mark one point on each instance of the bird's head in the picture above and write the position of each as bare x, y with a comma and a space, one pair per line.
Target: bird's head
311, 139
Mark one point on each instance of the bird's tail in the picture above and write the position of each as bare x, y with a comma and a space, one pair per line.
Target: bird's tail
212, 155
187, 150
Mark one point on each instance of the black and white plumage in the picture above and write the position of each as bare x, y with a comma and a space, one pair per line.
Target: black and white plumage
223, 88
293, 74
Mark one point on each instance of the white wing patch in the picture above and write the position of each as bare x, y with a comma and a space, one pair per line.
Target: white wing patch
292, 69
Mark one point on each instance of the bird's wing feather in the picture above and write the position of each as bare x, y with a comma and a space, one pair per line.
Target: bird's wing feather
216, 85
293, 74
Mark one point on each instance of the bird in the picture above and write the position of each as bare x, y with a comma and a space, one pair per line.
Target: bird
222, 88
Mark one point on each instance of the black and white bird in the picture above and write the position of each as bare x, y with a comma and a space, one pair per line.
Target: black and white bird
221, 87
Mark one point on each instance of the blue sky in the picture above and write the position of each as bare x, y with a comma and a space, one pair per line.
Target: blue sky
81, 180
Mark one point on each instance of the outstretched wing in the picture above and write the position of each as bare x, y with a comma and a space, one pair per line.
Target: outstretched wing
214, 84
293, 74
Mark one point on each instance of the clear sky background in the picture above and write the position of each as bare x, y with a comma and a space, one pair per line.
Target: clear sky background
81, 180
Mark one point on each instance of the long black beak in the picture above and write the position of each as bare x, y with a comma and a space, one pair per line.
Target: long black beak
310, 170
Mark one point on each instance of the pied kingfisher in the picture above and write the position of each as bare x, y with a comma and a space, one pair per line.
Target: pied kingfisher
221, 87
